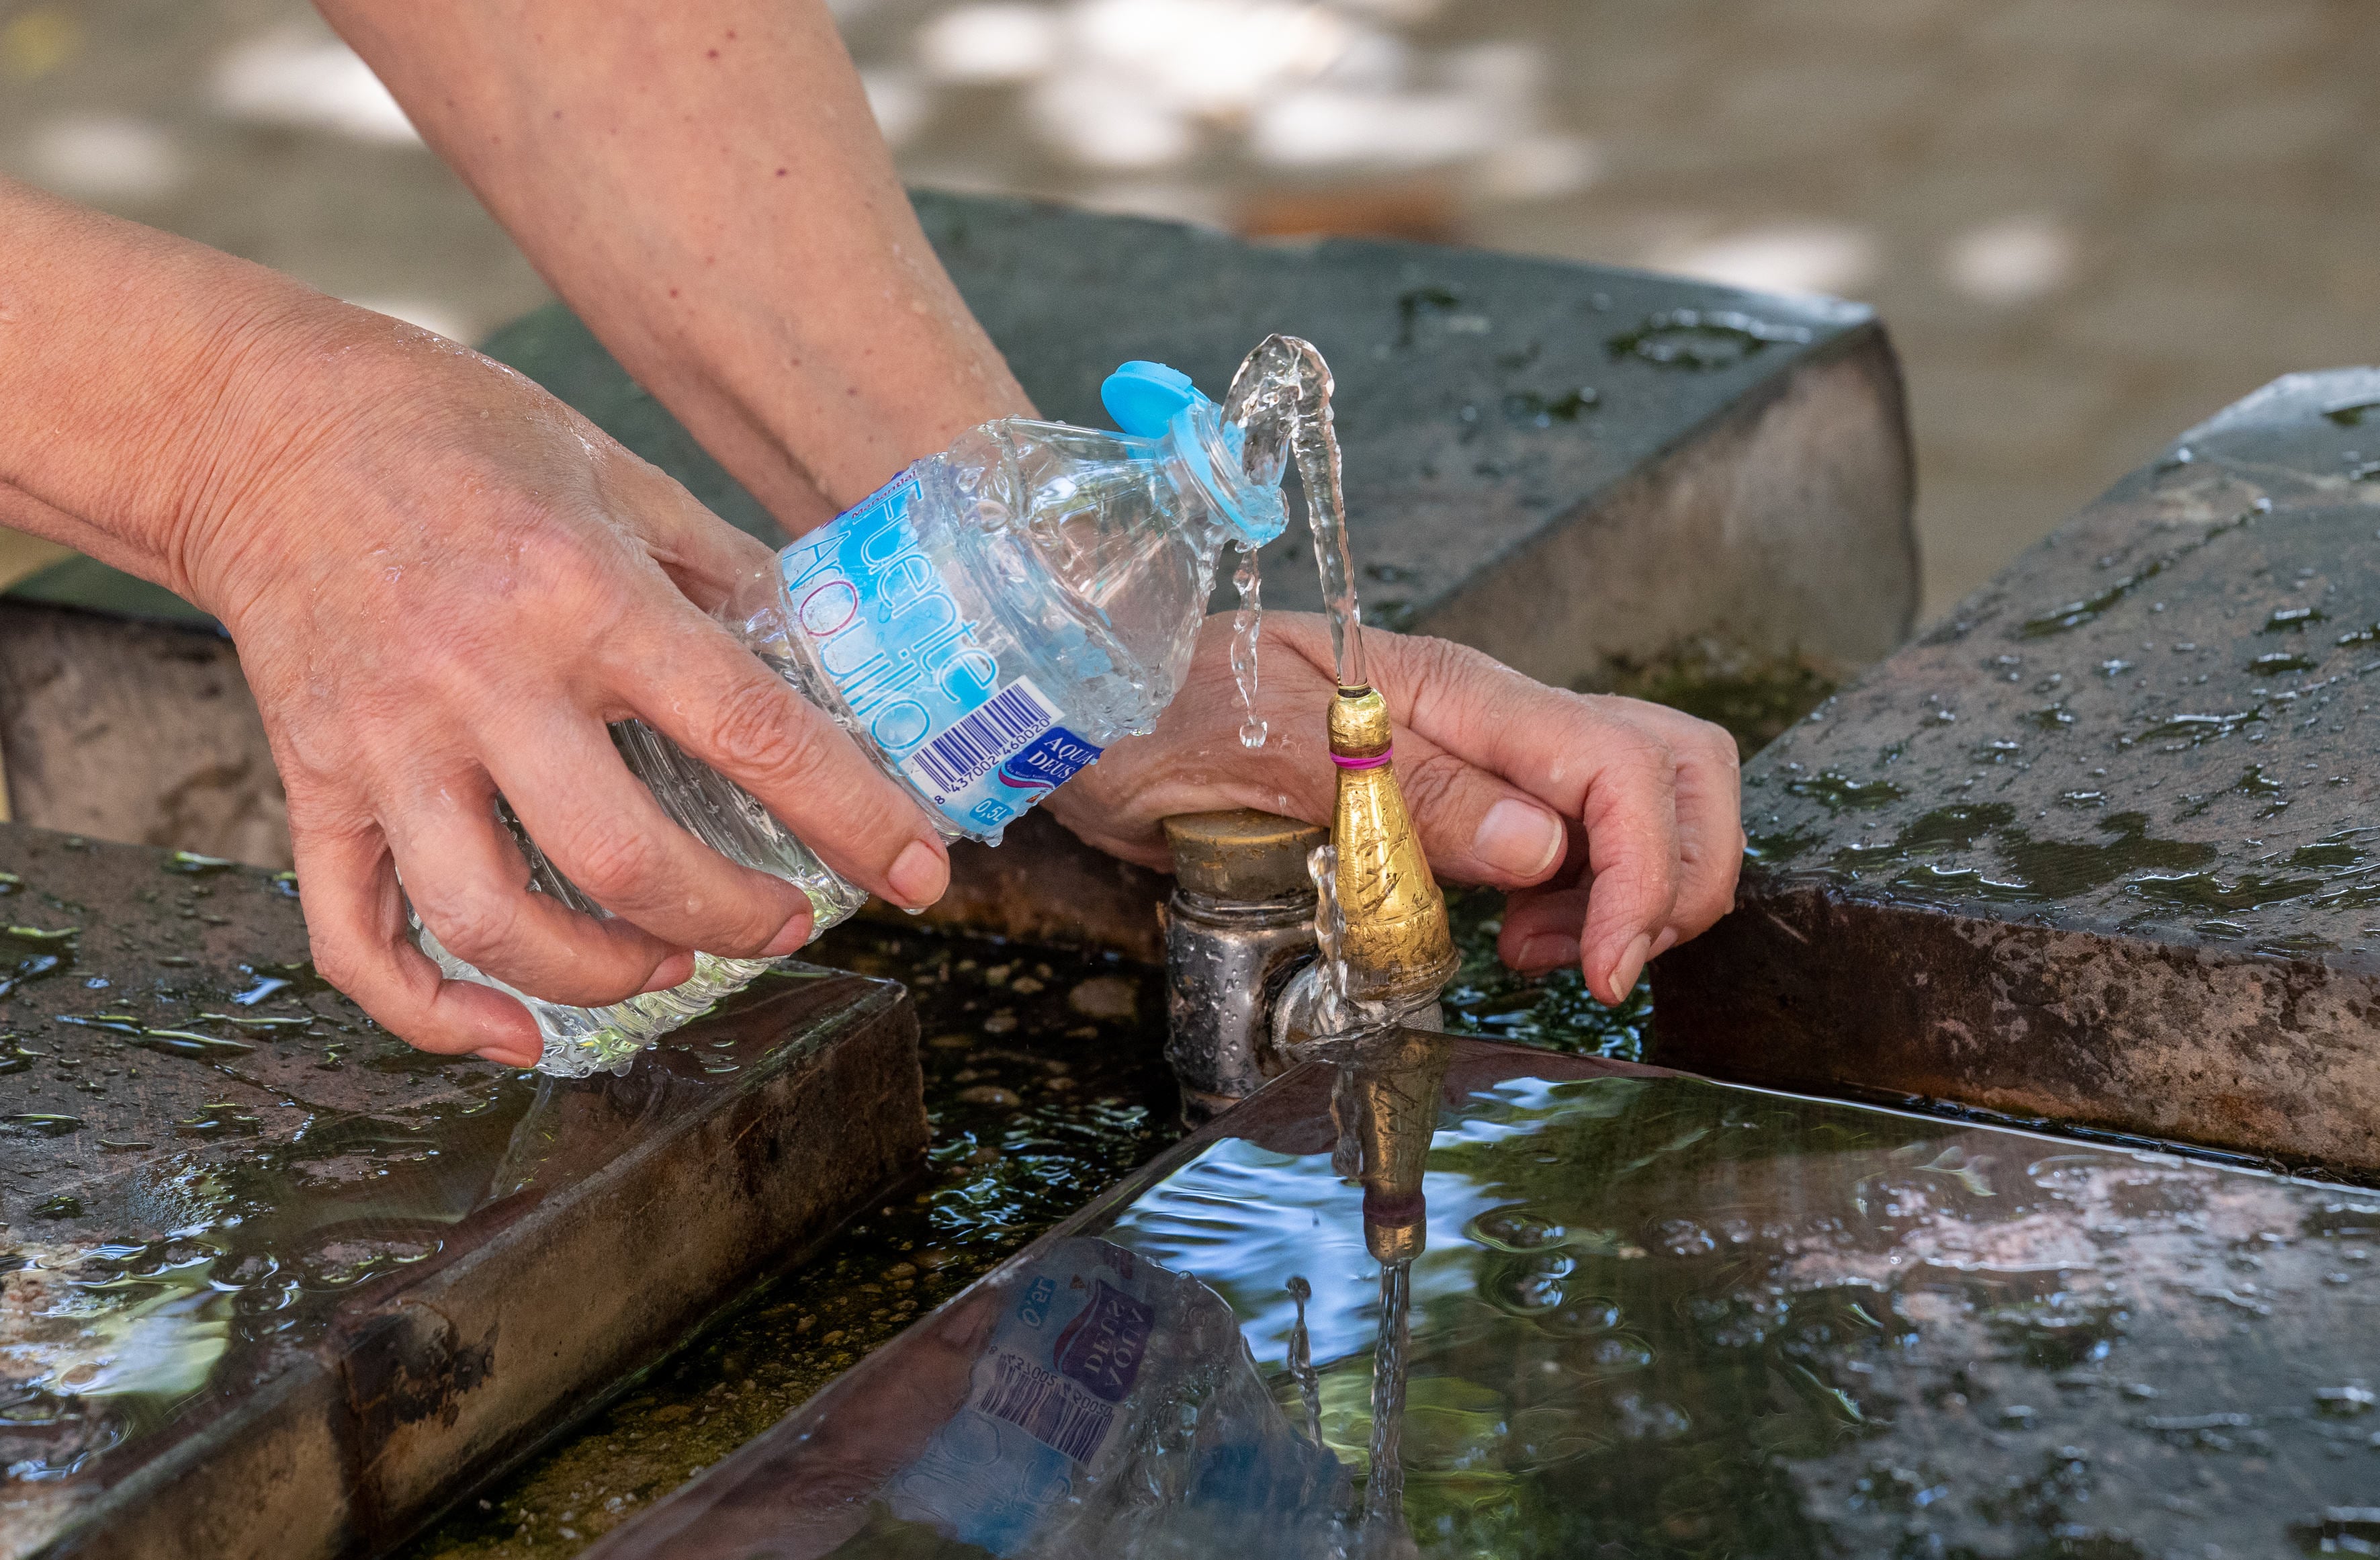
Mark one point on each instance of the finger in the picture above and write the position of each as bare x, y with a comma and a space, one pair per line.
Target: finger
1476, 827
1541, 928
1632, 831
718, 702
1710, 823
709, 560
603, 830
363, 944
1600, 760
468, 883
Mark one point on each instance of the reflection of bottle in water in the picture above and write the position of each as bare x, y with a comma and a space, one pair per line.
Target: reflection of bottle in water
984, 625
1115, 1410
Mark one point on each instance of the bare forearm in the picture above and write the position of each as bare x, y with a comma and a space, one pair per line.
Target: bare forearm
704, 184
126, 358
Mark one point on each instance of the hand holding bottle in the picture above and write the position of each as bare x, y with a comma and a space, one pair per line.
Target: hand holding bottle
442, 583
1614, 823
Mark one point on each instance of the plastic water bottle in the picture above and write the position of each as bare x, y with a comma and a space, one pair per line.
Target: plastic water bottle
984, 624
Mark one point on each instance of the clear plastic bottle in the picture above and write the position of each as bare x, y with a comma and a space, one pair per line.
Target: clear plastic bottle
984, 625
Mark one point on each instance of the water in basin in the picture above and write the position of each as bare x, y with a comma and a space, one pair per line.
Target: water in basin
1658, 1316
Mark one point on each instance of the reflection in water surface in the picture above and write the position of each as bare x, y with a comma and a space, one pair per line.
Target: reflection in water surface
1692, 1320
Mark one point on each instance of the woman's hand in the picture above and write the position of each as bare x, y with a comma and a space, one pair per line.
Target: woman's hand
442, 583
1612, 822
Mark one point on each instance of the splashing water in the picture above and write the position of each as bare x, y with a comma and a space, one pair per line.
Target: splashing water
1333, 1011
1247, 623
1280, 401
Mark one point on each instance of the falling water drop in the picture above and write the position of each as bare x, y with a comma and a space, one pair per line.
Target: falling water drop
1247, 623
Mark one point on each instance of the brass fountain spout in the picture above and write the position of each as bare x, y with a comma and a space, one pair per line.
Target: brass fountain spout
1397, 945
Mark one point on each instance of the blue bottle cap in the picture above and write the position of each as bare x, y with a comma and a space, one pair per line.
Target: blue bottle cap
1143, 397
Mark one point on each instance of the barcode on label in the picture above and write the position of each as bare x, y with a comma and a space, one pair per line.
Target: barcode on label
967, 751
1046, 1407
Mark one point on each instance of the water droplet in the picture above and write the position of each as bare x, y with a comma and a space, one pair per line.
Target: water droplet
1515, 1228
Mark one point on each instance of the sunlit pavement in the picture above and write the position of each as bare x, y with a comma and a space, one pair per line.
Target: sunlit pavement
2087, 224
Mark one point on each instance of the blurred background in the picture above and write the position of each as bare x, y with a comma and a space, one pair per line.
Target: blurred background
2086, 223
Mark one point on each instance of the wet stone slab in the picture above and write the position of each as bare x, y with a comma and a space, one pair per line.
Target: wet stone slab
1652, 1315
2102, 846
278, 1284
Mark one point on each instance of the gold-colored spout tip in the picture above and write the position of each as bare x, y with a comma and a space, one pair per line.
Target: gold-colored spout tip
1359, 724
1398, 946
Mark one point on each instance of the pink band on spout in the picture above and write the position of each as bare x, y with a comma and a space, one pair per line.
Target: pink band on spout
1373, 762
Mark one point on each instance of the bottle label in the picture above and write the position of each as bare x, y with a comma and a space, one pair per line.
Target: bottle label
981, 748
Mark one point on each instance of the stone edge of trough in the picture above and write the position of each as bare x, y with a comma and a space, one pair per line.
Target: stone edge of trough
366, 1436
2043, 1016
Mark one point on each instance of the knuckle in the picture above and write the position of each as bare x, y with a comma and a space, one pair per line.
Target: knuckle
611, 863
474, 924
339, 961
1441, 668
1429, 780
755, 731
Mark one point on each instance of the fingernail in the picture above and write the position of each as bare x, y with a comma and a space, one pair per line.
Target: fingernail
504, 1058
1664, 941
791, 937
1631, 966
1547, 950
919, 875
1520, 839
674, 970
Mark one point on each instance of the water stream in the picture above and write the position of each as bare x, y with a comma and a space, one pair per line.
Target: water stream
1247, 625
1279, 400
1384, 1493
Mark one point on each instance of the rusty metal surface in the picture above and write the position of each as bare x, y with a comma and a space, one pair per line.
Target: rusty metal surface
282, 1283
2100, 847
1242, 853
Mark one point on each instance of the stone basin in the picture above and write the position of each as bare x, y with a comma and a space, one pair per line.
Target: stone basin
283, 1285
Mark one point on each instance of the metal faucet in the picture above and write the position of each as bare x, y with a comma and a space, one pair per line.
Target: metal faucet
1239, 925
1244, 990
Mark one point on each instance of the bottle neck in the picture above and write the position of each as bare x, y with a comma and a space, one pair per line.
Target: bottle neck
1207, 461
